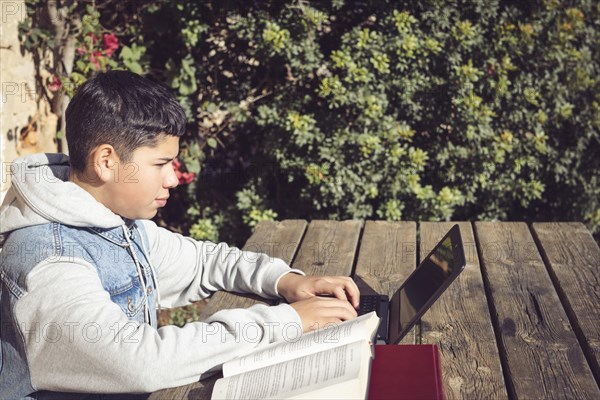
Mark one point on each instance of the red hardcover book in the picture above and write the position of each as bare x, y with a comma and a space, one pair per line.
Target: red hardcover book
406, 371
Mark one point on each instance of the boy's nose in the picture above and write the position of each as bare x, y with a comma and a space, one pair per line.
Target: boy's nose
171, 180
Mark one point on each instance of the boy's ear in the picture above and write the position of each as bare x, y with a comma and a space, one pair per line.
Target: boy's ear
105, 162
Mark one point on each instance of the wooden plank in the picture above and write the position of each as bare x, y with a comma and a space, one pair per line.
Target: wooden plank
540, 353
175, 393
196, 391
329, 248
573, 260
277, 239
387, 255
459, 323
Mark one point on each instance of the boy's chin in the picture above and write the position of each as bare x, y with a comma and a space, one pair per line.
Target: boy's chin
147, 214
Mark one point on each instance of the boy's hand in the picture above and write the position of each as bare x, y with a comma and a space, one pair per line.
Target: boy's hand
318, 312
294, 287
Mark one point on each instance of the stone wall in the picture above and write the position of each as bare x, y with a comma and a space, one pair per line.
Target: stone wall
27, 124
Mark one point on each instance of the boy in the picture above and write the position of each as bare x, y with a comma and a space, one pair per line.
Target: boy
83, 269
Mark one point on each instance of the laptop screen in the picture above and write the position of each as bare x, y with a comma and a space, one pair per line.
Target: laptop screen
426, 280
425, 284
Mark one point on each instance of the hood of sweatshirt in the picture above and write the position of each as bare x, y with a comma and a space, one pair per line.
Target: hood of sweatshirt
40, 193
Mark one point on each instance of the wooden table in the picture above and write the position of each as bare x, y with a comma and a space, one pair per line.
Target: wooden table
522, 321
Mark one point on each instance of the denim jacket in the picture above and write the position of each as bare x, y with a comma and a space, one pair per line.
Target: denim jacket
116, 259
79, 289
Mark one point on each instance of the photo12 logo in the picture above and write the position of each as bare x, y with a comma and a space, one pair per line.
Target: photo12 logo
12, 9
19, 91
24, 91
57, 10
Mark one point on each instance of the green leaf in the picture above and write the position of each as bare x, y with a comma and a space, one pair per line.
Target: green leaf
81, 65
133, 66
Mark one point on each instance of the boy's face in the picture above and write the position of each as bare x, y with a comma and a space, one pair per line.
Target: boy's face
142, 185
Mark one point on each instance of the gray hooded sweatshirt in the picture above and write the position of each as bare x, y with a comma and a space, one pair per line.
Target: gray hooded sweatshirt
80, 286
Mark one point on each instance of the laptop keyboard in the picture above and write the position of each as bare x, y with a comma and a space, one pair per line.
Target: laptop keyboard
368, 303
380, 304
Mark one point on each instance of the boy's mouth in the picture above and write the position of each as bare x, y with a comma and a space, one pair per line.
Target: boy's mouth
162, 201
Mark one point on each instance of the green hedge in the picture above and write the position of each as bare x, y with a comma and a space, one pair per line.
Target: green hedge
427, 110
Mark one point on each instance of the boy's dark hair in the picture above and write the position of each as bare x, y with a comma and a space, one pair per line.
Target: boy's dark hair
122, 109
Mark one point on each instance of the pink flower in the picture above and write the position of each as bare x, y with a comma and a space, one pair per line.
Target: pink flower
94, 37
55, 84
111, 43
94, 58
185, 178
83, 50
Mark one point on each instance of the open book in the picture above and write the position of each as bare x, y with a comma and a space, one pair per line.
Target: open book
328, 363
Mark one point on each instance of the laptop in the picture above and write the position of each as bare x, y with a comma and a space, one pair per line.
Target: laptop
420, 290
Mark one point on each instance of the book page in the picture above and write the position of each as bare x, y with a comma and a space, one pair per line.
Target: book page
299, 376
361, 328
